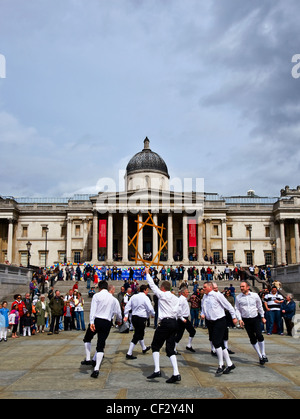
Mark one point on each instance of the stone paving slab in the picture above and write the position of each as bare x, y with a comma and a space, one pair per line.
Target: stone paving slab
48, 367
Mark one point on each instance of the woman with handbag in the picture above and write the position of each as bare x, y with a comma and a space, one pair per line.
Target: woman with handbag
42, 313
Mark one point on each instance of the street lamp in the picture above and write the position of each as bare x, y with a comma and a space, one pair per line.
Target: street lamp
46, 229
28, 245
250, 231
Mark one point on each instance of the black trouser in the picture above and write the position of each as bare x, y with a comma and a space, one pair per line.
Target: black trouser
67, 323
139, 324
102, 328
217, 329
165, 332
54, 323
89, 334
181, 327
253, 328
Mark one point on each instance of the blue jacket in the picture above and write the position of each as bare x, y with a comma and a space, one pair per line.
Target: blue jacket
290, 309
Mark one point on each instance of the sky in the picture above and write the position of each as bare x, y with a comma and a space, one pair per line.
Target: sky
210, 83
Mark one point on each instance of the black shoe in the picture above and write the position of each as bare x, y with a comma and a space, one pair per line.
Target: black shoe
174, 378
261, 361
154, 375
230, 352
85, 362
177, 353
95, 374
228, 369
189, 348
213, 353
147, 349
220, 370
265, 358
130, 356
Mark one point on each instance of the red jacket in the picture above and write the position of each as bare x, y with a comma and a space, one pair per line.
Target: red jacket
21, 307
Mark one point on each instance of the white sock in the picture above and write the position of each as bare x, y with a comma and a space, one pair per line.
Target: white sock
219, 352
225, 343
98, 360
227, 357
212, 346
256, 347
87, 346
156, 361
173, 360
142, 343
131, 346
189, 345
262, 347
95, 356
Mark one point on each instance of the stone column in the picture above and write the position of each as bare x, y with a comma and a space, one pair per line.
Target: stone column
10, 240
69, 240
95, 237
140, 237
110, 237
170, 238
154, 237
200, 240
224, 239
282, 243
207, 237
185, 238
297, 241
125, 238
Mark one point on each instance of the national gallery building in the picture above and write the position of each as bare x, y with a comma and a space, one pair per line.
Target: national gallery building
198, 227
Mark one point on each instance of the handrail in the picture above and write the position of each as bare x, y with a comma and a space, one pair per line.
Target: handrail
265, 283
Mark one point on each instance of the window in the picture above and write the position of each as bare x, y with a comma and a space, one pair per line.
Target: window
63, 231
229, 231
76, 257
24, 231
267, 231
45, 230
216, 257
24, 258
268, 258
216, 230
62, 257
230, 258
249, 258
42, 258
77, 230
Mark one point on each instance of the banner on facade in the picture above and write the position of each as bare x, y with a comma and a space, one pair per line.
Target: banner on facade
102, 233
192, 233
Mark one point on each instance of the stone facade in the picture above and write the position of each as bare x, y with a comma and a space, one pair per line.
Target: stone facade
237, 230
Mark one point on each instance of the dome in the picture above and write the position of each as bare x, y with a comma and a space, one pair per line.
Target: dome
147, 161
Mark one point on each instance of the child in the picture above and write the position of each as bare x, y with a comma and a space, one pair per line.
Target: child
13, 320
27, 324
68, 311
3, 331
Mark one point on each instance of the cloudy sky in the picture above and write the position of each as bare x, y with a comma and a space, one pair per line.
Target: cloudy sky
209, 82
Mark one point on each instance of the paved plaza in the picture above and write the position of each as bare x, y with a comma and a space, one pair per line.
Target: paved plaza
49, 367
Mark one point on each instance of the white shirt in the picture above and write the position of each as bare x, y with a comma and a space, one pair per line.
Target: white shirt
248, 306
105, 306
140, 305
168, 303
213, 306
184, 306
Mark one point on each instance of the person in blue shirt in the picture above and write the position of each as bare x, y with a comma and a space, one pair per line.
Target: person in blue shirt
4, 311
288, 310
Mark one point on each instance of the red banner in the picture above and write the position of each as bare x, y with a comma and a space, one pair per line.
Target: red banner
192, 233
102, 233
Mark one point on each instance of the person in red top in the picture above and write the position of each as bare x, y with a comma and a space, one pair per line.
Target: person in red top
21, 309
